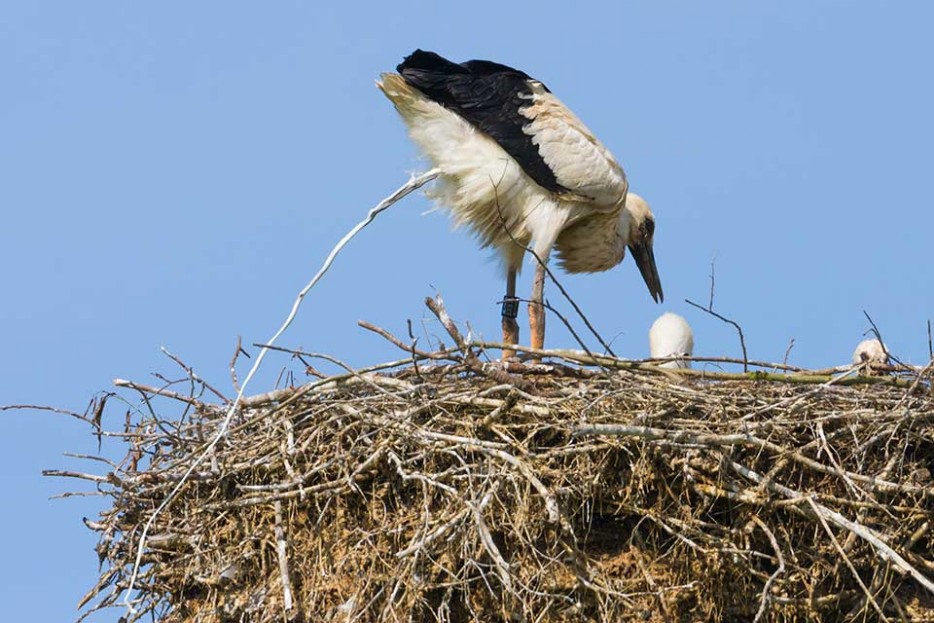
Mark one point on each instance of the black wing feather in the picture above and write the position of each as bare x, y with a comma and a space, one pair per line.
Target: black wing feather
488, 95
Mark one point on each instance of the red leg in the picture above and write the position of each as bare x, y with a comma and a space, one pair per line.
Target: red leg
536, 309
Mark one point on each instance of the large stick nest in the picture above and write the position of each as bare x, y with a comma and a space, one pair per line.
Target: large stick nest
445, 488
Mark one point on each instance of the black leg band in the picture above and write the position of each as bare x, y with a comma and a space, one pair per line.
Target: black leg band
510, 307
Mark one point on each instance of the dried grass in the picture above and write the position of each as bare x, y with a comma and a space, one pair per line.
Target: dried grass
447, 488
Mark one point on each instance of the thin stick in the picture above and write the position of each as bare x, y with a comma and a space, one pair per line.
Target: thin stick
300, 355
791, 344
418, 373
191, 373
50, 409
878, 335
739, 329
62, 473
233, 363
930, 342
413, 184
156, 391
281, 551
766, 590
713, 262
410, 348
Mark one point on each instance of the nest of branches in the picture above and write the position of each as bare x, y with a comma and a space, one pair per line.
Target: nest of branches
447, 487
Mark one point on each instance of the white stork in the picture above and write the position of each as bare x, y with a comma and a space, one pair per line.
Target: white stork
671, 336
870, 351
521, 170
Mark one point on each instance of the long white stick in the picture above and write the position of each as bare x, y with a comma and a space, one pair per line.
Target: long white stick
413, 184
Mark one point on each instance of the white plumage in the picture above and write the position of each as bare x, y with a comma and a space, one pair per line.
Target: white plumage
671, 336
521, 170
870, 351
487, 191
476, 175
580, 162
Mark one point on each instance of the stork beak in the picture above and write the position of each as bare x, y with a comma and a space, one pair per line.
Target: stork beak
645, 259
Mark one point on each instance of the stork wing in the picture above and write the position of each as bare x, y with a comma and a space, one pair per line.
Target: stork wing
580, 162
547, 140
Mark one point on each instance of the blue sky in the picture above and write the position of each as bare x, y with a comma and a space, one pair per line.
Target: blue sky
174, 172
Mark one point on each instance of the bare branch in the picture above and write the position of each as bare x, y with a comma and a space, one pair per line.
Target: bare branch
739, 329
930, 343
233, 363
282, 554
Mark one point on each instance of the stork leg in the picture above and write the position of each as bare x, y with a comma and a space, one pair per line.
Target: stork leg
510, 311
536, 309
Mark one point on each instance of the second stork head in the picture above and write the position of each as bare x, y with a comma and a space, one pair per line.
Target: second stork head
671, 336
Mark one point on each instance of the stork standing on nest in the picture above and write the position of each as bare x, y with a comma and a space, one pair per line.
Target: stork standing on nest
521, 171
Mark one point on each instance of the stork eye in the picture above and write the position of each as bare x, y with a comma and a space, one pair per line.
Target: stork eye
650, 227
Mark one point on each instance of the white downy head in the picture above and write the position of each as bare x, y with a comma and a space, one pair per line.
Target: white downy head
870, 351
671, 336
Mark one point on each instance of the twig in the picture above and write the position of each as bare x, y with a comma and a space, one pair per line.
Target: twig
413, 344
713, 262
233, 363
156, 391
410, 348
297, 354
930, 343
191, 373
502, 567
791, 344
441, 530
878, 335
739, 329
766, 590
436, 305
643, 569
61, 473
281, 551
792, 399
77, 416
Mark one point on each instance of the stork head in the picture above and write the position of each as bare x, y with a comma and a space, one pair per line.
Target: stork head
641, 237
870, 351
671, 336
